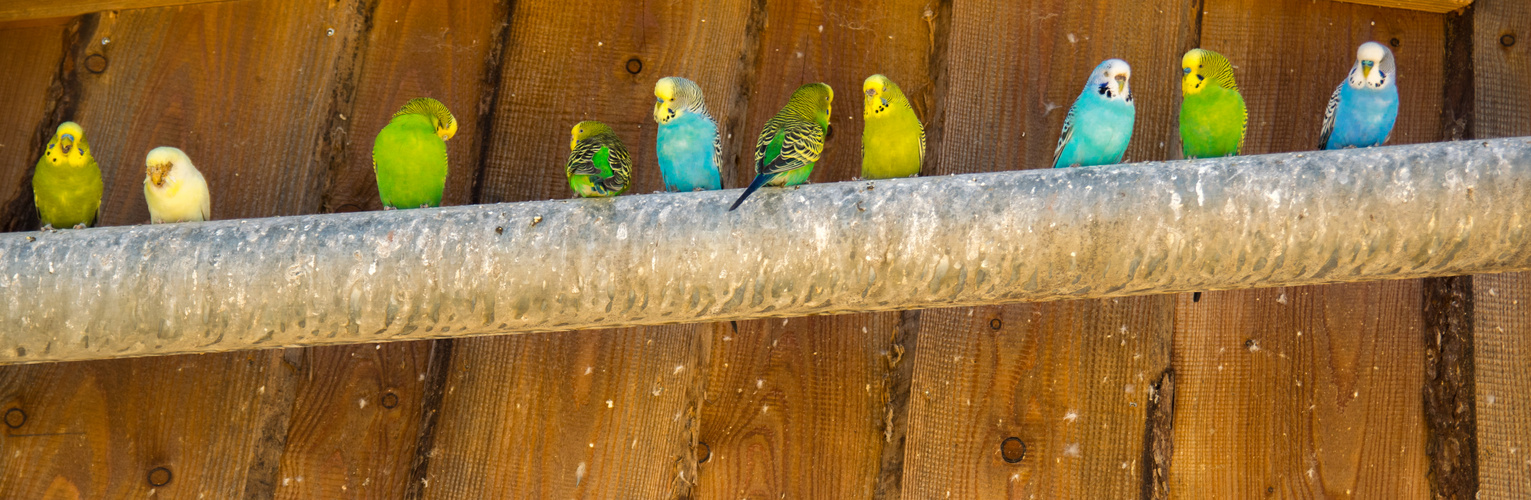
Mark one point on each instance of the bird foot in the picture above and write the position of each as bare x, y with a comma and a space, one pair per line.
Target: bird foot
47, 228
79, 226
389, 208
425, 205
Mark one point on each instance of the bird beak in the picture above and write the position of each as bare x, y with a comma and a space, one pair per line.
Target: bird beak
157, 174
1121, 83
66, 143
1366, 69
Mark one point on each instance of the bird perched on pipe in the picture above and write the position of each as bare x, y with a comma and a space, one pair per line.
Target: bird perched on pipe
598, 163
686, 144
174, 189
1362, 108
1099, 124
1213, 118
409, 155
67, 184
893, 141
792, 140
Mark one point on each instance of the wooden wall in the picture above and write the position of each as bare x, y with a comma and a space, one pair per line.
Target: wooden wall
1407, 389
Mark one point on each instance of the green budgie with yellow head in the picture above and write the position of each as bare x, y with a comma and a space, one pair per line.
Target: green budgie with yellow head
410, 155
67, 184
792, 140
598, 163
893, 142
1212, 115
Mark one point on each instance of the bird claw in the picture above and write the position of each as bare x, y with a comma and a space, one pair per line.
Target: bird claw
389, 208
79, 226
47, 228
425, 205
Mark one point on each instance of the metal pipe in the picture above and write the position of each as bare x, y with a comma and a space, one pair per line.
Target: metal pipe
1159, 227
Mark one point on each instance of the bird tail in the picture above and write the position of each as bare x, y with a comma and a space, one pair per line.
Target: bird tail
760, 180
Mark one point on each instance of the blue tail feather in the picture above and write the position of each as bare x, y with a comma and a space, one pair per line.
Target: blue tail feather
760, 180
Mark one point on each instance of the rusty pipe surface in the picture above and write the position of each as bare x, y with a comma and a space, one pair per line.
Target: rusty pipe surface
1160, 227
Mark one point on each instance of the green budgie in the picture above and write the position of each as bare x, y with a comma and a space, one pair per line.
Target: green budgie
598, 163
409, 155
1212, 116
893, 142
67, 184
792, 140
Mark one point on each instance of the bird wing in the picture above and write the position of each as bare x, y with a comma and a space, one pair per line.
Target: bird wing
800, 144
582, 159
620, 167
1329, 111
1066, 135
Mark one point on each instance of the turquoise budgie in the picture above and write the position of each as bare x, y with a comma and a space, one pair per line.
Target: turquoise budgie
792, 140
67, 183
1212, 115
687, 144
1099, 125
1363, 108
893, 142
598, 163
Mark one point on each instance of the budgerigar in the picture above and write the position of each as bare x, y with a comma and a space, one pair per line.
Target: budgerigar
1212, 115
792, 140
174, 189
893, 142
67, 183
1099, 125
687, 144
598, 163
1362, 109
409, 155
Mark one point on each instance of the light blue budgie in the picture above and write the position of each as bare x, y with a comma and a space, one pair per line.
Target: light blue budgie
687, 142
1363, 108
1099, 125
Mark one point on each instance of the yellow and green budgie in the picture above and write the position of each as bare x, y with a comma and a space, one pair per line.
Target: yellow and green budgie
598, 162
409, 155
893, 141
67, 184
792, 140
1212, 115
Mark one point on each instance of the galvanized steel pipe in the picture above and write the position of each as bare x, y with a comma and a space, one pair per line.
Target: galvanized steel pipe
1257, 221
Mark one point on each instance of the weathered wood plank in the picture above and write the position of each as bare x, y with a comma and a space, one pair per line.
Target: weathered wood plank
13, 10
1299, 392
594, 414
1011, 88
796, 408
1502, 62
1502, 328
249, 102
418, 49
36, 52
1432, 6
1071, 380
98, 429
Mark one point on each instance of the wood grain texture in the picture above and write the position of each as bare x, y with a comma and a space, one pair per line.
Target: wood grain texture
1011, 88
354, 421
36, 51
562, 68
418, 49
96, 429
13, 10
1501, 100
796, 408
592, 414
1300, 392
1502, 317
1432, 6
1070, 379
1288, 56
248, 102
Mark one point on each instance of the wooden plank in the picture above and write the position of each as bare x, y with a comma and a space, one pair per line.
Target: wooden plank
36, 51
562, 69
418, 49
1299, 392
98, 429
593, 414
13, 10
1288, 56
354, 421
1011, 88
249, 102
1502, 348
1432, 6
1071, 380
796, 408
1502, 303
